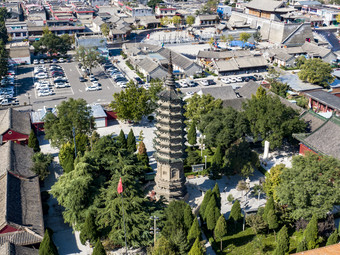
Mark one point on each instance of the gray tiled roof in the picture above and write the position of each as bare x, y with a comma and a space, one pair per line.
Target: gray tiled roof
21, 209
17, 159
97, 111
208, 17
325, 98
323, 139
265, 5
15, 120
222, 54
224, 93
313, 120
235, 103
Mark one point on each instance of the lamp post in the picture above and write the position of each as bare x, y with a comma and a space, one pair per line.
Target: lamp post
202, 137
248, 187
154, 218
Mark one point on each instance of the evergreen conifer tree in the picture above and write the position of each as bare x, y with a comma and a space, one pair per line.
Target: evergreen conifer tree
99, 248
282, 242
33, 141
269, 206
194, 232
220, 230
302, 246
47, 247
215, 171
142, 154
188, 217
218, 156
311, 233
333, 238
205, 202
89, 230
181, 242
217, 194
122, 139
131, 142
196, 249
192, 134
212, 213
235, 212
272, 221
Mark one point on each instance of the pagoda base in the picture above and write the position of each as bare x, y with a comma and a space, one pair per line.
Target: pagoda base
174, 190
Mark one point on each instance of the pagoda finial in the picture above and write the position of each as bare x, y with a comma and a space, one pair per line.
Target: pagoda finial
170, 68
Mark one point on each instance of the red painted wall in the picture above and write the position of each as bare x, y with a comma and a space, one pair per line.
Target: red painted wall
11, 135
8, 229
304, 149
111, 115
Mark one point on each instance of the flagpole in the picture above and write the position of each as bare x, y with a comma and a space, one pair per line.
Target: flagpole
124, 224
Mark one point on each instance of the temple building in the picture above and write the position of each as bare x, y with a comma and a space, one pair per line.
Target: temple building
169, 142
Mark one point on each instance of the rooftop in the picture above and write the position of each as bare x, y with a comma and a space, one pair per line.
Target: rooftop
14, 120
325, 98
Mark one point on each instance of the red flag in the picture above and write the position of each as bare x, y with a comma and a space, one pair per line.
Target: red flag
120, 186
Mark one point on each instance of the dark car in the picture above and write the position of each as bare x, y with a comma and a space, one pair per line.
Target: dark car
82, 79
139, 80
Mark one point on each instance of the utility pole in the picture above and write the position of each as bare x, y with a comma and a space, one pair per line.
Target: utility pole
155, 218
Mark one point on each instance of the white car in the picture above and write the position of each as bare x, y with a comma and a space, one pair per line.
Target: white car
42, 61
205, 83
92, 88
83, 69
121, 83
61, 84
95, 83
35, 61
183, 84
115, 76
41, 76
232, 80
61, 60
42, 86
238, 79
191, 83
45, 92
225, 80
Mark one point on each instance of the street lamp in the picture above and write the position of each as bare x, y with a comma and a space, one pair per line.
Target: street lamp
202, 137
226, 197
154, 218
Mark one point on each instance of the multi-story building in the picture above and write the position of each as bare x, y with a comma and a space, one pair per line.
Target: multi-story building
17, 30
135, 10
162, 11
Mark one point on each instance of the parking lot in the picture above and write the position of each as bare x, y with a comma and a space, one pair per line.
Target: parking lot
27, 94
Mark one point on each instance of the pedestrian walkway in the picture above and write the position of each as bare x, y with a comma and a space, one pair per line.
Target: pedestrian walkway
124, 68
209, 249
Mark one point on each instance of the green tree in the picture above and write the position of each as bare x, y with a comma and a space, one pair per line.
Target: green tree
82, 143
194, 232
88, 57
257, 36
181, 243
212, 213
220, 230
193, 157
105, 29
190, 20
51, 44
333, 238
122, 140
268, 207
235, 212
162, 247
273, 179
188, 217
47, 247
3, 30
3, 56
218, 157
94, 138
74, 113
154, 3
156, 86
300, 61
205, 202
192, 135
165, 21
41, 162
302, 246
244, 36
198, 105
196, 249
271, 119
317, 173
176, 20
217, 194
89, 230
256, 222
33, 141
247, 170
66, 157
279, 88
132, 103
99, 248
272, 221
316, 71
142, 154
311, 233
223, 38
131, 142
282, 245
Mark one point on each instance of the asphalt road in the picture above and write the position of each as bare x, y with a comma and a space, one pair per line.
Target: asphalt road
27, 93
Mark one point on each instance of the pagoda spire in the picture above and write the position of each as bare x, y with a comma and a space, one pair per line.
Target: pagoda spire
170, 79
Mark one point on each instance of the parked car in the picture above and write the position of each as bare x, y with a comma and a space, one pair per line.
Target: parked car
41, 76
61, 84
232, 80
96, 83
35, 61
61, 60
92, 88
191, 83
82, 79
207, 82
225, 80
45, 93
238, 79
139, 80
42, 61
121, 83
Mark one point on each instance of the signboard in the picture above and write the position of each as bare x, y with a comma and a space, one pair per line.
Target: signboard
197, 168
